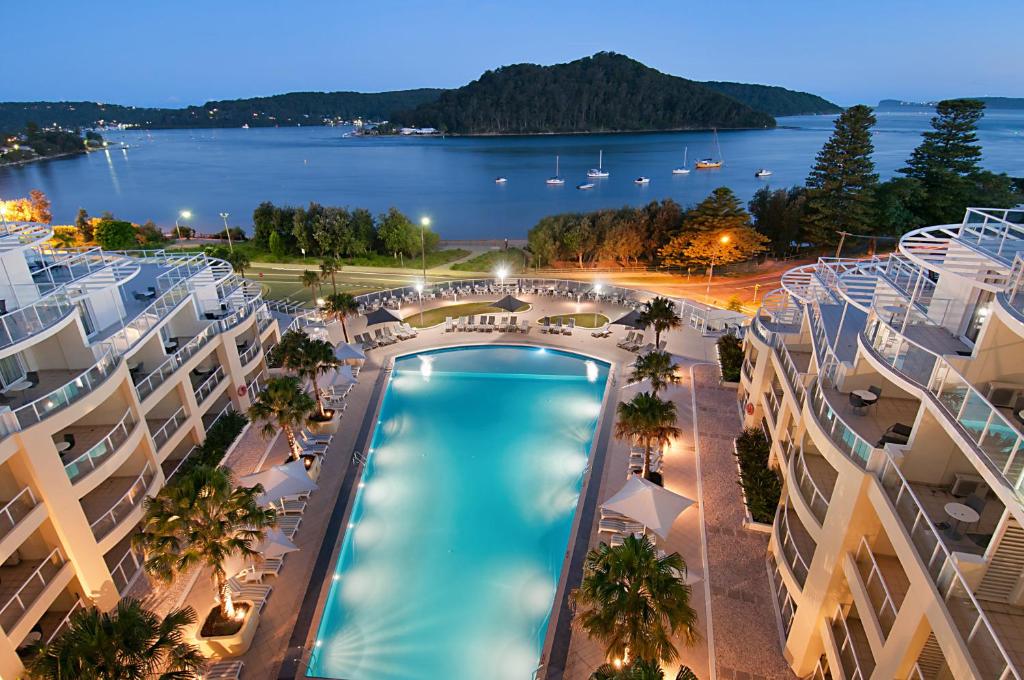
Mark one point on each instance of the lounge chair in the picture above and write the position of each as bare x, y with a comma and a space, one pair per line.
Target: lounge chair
412, 332
568, 328
638, 341
462, 323
503, 324
471, 323
545, 325
248, 590
524, 326
289, 525
601, 332
293, 506
449, 325
224, 670
489, 326
308, 436
626, 340
557, 327
513, 324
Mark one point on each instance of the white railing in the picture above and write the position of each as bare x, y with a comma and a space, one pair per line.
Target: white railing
133, 331
992, 228
33, 412
786, 604
209, 385
126, 570
30, 589
812, 495
124, 505
64, 622
175, 361
846, 647
255, 386
250, 353
746, 369
16, 510
773, 403
790, 550
881, 599
99, 452
842, 435
968, 615
171, 426
181, 462
789, 369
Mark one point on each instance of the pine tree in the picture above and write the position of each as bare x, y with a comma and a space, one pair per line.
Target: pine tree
842, 182
720, 211
947, 166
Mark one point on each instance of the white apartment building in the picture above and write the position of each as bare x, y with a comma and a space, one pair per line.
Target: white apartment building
113, 366
892, 390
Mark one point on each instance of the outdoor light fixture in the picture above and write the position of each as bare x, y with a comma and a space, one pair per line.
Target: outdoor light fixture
185, 215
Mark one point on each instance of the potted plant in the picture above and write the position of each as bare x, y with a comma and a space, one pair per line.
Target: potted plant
200, 520
649, 419
309, 359
283, 404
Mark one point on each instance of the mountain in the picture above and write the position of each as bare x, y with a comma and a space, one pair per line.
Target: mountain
774, 100
295, 108
990, 103
604, 93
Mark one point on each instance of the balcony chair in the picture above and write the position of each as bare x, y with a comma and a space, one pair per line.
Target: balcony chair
875, 390
32, 377
70, 439
896, 434
857, 403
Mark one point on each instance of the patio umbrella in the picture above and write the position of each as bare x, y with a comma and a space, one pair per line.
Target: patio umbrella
348, 352
381, 315
509, 304
632, 319
342, 377
279, 481
274, 544
651, 505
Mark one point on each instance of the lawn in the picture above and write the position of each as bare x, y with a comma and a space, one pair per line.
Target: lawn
432, 317
512, 259
434, 259
583, 319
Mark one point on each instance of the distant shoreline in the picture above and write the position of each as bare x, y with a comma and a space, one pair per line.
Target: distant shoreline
66, 154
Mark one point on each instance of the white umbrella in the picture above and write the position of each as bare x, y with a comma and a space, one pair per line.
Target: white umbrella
279, 481
647, 503
347, 352
342, 377
274, 544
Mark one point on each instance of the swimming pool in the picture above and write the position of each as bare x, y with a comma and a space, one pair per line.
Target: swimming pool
456, 540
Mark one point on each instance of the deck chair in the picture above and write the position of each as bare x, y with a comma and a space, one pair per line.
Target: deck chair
224, 670
449, 325
545, 325
557, 327
471, 323
524, 326
568, 328
513, 324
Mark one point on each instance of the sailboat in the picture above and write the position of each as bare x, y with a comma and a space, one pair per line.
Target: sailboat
711, 163
555, 180
682, 169
599, 171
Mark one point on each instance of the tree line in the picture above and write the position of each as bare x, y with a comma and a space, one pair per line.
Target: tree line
325, 231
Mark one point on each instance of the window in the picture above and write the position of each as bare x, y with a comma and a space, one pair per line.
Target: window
979, 315
12, 369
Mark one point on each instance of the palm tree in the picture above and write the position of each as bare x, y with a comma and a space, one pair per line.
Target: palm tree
329, 267
129, 643
284, 404
340, 306
648, 418
657, 367
661, 314
634, 601
239, 261
310, 279
638, 670
309, 359
202, 519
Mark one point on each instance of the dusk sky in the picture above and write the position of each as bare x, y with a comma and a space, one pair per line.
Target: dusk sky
187, 52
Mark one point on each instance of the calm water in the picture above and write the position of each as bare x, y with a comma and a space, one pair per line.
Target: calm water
462, 518
452, 179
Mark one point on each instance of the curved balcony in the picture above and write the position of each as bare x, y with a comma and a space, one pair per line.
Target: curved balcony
28, 581
815, 496
97, 454
840, 433
795, 544
878, 586
249, 354
209, 384
124, 504
854, 654
167, 429
68, 393
159, 376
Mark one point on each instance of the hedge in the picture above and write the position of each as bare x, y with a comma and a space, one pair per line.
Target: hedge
730, 357
761, 485
220, 437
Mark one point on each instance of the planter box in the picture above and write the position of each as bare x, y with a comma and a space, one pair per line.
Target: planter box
326, 426
232, 645
316, 464
726, 383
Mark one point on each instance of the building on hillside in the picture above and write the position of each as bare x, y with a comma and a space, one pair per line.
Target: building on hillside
113, 366
892, 390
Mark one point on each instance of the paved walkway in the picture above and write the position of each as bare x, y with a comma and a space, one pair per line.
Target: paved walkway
747, 645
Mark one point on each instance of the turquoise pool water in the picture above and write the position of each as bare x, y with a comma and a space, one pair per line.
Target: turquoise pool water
455, 545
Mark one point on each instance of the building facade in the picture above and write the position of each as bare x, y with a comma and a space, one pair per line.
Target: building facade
113, 366
892, 390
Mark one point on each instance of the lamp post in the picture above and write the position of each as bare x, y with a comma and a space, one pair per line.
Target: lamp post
185, 215
424, 223
224, 216
419, 289
597, 294
723, 239
501, 272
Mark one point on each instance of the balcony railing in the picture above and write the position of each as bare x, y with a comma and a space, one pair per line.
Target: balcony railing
168, 429
25, 322
797, 564
881, 599
175, 361
16, 510
789, 369
135, 330
210, 384
809, 490
250, 353
845, 644
772, 396
747, 369
126, 570
842, 435
32, 587
102, 450
124, 505
35, 411
974, 627
64, 622
787, 607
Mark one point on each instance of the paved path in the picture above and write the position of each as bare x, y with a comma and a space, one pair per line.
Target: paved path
747, 645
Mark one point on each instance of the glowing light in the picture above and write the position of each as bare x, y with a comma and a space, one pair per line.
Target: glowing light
321, 302
336, 577
425, 221
351, 524
598, 287
501, 273
426, 367
725, 238
542, 350
592, 371
419, 286
186, 214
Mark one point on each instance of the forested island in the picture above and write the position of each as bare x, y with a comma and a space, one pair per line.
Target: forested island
34, 143
617, 93
1011, 103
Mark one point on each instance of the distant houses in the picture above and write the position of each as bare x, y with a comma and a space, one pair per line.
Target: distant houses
417, 131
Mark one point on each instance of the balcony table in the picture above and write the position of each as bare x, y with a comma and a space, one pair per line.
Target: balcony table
961, 513
866, 396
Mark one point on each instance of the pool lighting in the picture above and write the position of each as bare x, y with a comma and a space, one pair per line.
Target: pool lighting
351, 524
592, 371
426, 367
336, 577
542, 350
501, 273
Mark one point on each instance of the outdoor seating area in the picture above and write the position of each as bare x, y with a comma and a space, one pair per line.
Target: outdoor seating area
486, 324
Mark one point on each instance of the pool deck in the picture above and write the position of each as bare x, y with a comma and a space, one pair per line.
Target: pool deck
743, 631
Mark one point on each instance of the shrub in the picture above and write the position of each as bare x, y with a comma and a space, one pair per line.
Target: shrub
223, 433
761, 485
730, 357
735, 304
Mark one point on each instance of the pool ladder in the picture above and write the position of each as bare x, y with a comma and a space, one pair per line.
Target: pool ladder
359, 457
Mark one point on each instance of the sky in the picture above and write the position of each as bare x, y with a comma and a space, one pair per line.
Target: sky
164, 53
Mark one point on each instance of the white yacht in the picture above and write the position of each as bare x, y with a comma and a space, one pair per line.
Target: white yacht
682, 169
585, 185
500, 180
763, 172
642, 180
599, 171
555, 180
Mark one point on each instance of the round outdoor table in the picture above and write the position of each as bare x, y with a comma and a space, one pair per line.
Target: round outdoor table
866, 396
19, 386
63, 446
961, 513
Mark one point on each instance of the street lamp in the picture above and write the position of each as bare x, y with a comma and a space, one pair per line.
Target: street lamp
419, 289
224, 216
597, 294
501, 273
185, 215
723, 239
424, 223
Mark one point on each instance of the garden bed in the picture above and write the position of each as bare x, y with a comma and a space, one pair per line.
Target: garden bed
761, 485
730, 357
217, 626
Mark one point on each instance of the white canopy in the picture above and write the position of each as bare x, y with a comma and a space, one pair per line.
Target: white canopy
340, 377
347, 352
647, 503
279, 481
274, 544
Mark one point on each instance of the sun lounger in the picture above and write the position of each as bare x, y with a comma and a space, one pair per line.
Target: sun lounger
449, 325
306, 435
503, 323
568, 328
400, 333
545, 326
290, 507
471, 323
412, 332
602, 332
489, 324
557, 327
250, 590
626, 340
289, 525
513, 324
524, 326
224, 670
